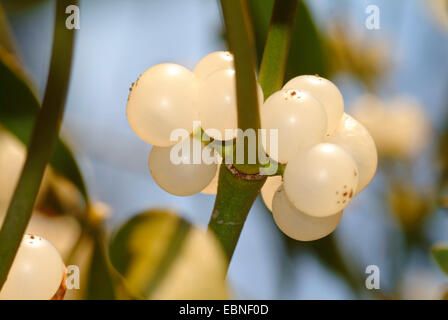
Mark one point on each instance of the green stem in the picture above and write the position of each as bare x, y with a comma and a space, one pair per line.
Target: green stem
275, 55
42, 142
236, 194
240, 185
241, 43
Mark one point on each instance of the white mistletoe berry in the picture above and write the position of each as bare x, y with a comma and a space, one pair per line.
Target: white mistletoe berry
326, 92
298, 225
36, 273
321, 181
178, 170
162, 100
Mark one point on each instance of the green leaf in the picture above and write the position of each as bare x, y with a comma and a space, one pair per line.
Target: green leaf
19, 107
100, 284
162, 256
14, 5
6, 38
440, 253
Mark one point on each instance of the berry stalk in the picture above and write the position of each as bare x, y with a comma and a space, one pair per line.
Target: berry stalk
241, 43
275, 54
42, 142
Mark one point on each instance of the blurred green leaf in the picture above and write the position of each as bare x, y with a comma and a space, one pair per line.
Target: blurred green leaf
306, 55
19, 107
440, 253
162, 256
44, 136
100, 284
19, 104
14, 5
6, 38
442, 148
409, 205
329, 253
445, 295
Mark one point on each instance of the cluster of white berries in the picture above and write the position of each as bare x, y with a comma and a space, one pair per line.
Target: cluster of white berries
36, 273
329, 156
168, 97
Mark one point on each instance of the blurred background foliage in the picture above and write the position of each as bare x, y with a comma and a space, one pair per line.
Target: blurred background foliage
393, 80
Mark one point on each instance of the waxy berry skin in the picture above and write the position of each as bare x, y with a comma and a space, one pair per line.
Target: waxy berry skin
217, 103
356, 141
161, 101
322, 180
269, 188
181, 178
213, 62
36, 273
300, 119
298, 225
326, 92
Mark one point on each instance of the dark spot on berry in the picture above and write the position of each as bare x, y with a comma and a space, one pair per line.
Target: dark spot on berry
351, 193
293, 93
32, 237
345, 194
356, 173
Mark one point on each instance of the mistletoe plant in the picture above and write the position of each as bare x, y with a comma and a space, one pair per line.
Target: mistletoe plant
314, 160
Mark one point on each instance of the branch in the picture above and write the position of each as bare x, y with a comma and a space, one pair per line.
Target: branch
242, 45
42, 142
236, 194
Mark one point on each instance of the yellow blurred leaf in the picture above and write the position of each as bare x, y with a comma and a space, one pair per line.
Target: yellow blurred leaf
162, 256
409, 204
440, 253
